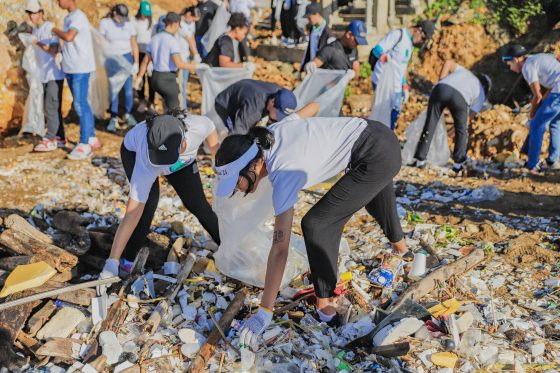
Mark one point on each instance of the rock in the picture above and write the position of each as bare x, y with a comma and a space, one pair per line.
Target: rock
553, 282
537, 349
178, 227
488, 355
192, 342
391, 333
464, 322
62, 324
110, 346
123, 366
516, 336
359, 103
444, 359
507, 357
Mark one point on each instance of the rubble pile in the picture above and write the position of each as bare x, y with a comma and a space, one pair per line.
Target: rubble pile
281, 73
495, 293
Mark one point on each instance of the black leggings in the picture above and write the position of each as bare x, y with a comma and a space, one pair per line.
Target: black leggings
165, 83
444, 96
375, 160
188, 186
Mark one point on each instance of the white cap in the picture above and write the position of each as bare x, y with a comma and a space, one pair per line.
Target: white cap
229, 174
33, 6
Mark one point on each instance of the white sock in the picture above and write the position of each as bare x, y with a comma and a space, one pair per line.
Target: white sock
324, 317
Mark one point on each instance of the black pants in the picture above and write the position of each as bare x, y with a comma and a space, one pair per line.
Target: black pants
146, 79
288, 23
165, 83
375, 160
52, 98
188, 186
444, 96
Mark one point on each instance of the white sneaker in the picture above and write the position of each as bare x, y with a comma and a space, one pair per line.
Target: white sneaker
113, 125
80, 151
94, 143
46, 145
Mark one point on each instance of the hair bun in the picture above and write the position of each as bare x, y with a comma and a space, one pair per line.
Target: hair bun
262, 137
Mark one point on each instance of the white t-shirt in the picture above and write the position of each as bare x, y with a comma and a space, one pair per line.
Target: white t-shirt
186, 31
143, 32
144, 173
162, 47
77, 55
543, 68
468, 86
47, 66
242, 6
307, 152
118, 36
400, 54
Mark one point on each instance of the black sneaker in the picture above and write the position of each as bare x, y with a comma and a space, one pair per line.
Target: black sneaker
335, 322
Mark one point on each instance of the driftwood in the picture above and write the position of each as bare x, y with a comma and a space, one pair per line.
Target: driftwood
209, 347
11, 323
163, 306
65, 348
17, 222
56, 292
73, 235
20, 243
11, 262
39, 318
428, 283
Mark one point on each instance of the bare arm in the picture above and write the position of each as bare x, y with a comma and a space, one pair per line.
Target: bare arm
182, 64
537, 98
51, 49
144, 66
226, 61
192, 45
135, 50
213, 142
277, 257
67, 36
448, 67
309, 110
134, 211
356, 68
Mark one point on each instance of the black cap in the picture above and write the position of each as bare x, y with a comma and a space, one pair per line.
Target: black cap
428, 27
514, 50
172, 17
313, 8
122, 11
165, 135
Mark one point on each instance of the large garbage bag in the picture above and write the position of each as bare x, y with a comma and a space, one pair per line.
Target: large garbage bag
217, 27
33, 114
213, 81
118, 70
439, 152
381, 106
327, 88
246, 239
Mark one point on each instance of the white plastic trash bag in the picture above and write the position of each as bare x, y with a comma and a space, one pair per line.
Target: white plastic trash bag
381, 106
217, 27
118, 70
213, 81
439, 152
325, 87
33, 117
98, 83
247, 239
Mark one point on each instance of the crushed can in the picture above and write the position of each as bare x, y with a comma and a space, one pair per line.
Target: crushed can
386, 274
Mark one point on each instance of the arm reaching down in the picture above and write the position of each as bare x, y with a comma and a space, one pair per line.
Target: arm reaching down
182, 64
309, 110
537, 98
213, 142
134, 210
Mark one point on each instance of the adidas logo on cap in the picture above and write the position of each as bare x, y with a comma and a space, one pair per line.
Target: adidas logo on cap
162, 147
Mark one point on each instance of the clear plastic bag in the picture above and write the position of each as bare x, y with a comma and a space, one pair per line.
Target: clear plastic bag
98, 83
381, 106
118, 70
247, 239
213, 81
439, 152
33, 117
325, 87
217, 27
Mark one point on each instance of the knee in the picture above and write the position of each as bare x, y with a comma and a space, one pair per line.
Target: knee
78, 107
310, 225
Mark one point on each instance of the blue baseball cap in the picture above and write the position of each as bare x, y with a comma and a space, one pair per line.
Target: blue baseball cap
285, 103
359, 30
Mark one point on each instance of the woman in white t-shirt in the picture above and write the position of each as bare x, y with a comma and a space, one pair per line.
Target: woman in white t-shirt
120, 35
296, 154
52, 77
163, 145
142, 22
187, 42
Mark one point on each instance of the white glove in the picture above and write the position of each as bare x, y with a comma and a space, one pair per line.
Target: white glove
310, 67
135, 69
254, 327
111, 269
197, 59
406, 95
138, 84
251, 66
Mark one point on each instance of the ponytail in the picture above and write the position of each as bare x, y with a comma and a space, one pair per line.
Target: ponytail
262, 137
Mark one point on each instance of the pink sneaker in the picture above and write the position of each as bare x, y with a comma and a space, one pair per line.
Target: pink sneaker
80, 151
94, 143
46, 145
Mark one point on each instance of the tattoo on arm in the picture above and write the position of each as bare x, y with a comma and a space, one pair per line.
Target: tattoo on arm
278, 237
